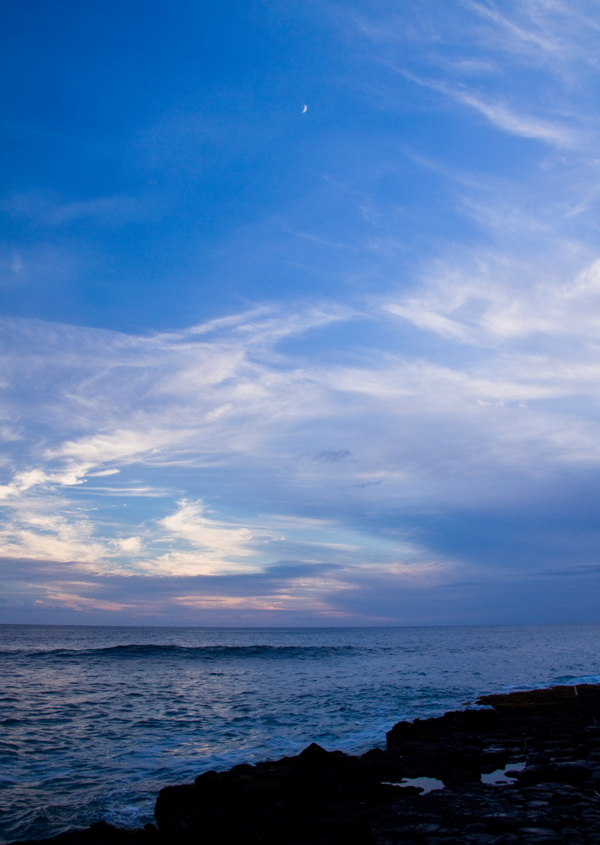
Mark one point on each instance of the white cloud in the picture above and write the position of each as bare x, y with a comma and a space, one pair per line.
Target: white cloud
506, 116
209, 536
45, 534
130, 545
177, 419
28, 479
122, 445
529, 68
502, 301
261, 604
50, 209
180, 563
74, 601
500, 114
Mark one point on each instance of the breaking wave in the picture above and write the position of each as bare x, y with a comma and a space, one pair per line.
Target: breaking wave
215, 652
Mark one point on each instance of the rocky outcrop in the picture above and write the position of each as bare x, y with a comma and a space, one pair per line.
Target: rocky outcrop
544, 746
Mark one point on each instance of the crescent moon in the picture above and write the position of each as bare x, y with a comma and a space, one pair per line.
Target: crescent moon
305, 109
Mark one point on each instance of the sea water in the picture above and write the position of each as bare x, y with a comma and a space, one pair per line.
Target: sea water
96, 720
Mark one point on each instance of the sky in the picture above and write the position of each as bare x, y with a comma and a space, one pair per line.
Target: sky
300, 312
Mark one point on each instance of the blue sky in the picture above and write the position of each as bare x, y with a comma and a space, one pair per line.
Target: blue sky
269, 365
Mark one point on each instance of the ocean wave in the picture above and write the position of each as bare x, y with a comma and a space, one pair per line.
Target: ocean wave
213, 652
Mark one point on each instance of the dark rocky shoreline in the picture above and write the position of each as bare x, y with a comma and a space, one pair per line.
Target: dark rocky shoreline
550, 739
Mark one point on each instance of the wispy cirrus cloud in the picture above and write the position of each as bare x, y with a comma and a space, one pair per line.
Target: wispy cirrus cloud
559, 36
477, 305
527, 68
501, 114
49, 209
225, 401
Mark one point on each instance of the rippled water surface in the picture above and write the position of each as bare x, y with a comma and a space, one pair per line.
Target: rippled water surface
95, 720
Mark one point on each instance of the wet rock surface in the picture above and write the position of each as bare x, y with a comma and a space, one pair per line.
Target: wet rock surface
543, 745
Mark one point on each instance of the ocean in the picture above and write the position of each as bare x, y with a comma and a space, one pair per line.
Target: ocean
96, 720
